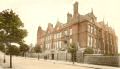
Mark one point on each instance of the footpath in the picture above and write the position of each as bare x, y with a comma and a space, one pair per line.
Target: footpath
83, 65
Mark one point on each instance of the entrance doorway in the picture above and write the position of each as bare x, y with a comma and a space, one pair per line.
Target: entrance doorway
52, 56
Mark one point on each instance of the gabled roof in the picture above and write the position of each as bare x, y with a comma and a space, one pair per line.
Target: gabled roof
49, 28
88, 16
101, 24
41, 31
58, 25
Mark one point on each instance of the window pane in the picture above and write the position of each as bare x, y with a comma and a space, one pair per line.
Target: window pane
88, 28
70, 31
70, 41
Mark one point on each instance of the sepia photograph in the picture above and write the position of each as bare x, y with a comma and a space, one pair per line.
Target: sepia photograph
59, 34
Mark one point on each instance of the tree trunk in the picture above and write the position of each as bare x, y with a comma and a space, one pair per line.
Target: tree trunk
66, 56
57, 56
4, 59
23, 54
73, 58
10, 60
38, 56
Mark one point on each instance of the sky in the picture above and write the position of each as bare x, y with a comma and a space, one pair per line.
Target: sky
34, 13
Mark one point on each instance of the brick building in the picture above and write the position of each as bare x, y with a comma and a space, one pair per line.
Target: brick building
83, 30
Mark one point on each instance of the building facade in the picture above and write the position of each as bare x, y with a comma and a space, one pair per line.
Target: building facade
83, 30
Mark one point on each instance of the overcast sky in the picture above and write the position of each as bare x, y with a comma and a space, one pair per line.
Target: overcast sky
41, 12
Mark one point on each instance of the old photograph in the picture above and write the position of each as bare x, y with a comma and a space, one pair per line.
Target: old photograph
59, 34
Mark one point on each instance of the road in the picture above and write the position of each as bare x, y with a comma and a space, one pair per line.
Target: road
34, 63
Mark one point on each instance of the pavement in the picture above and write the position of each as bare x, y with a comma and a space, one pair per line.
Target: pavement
85, 65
